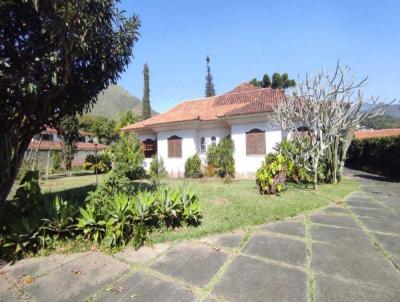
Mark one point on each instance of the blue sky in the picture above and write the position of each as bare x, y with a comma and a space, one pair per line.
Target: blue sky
246, 39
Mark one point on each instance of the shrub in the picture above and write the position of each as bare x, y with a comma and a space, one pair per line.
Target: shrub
112, 215
375, 155
157, 170
101, 164
212, 156
56, 160
193, 167
128, 157
127, 217
32, 221
295, 166
210, 170
220, 158
271, 176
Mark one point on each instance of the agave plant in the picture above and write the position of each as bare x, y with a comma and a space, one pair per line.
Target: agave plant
90, 225
191, 205
144, 206
168, 204
59, 217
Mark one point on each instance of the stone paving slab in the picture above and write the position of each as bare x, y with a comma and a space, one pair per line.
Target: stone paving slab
391, 244
287, 227
375, 213
364, 203
193, 263
77, 279
347, 237
142, 255
40, 265
247, 279
231, 240
142, 287
336, 210
382, 225
284, 249
362, 265
342, 221
333, 290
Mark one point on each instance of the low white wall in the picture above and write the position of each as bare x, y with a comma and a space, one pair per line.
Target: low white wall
176, 166
247, 165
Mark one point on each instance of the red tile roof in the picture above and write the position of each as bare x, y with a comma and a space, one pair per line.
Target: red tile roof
244, 99
56, 145
361, 134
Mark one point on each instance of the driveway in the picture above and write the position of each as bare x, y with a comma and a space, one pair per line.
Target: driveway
345, 252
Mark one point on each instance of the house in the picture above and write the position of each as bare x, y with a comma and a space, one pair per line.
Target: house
193, 125
42, 146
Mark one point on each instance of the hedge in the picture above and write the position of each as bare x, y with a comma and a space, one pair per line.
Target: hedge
375, 155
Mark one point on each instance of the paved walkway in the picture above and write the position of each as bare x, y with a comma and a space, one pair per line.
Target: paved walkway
348, 252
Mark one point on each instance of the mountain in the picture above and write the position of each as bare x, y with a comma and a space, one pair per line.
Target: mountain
115, 100
390, 110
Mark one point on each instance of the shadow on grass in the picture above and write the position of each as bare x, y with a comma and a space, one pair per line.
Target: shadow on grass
78, 194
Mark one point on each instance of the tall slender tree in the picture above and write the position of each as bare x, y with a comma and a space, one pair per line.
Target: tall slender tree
146, 108
210, 90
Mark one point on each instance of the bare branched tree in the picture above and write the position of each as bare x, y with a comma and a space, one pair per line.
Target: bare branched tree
321, 114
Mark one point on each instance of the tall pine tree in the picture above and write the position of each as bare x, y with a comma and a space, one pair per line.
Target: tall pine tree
210, 90
146, 109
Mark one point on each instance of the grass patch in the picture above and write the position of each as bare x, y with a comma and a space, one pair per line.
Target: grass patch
226, 206
238, 204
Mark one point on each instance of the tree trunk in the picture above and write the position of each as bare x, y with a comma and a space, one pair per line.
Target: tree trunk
343, 151
12, 150
315, 172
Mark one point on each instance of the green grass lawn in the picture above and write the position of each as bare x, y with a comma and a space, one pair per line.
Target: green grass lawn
238, 204
225, 206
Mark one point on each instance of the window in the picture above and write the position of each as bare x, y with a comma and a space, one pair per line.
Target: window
149, 147
175, 146
255, 142
47, 137
213, 141
203, 145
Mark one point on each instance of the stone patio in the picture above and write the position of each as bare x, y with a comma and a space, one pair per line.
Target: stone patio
348, 252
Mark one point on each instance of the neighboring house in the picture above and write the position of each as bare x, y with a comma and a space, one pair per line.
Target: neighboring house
48, 141
192, 126
361, 134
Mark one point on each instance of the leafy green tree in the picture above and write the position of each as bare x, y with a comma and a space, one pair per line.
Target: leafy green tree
128, 156
103, 128
266, 82
126, 118
210, 90
255, 82
146, 109
55, 58
86, 121
278, 81
68, 129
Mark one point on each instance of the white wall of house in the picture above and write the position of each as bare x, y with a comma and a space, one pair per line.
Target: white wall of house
219, 133
247, 165
176, 166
